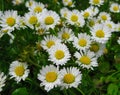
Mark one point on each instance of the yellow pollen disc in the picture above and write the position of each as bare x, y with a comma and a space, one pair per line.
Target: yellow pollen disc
86, 14
11, 21
38, 9
115, 8
74, 18
85, 60
19, 70
50, 43
59, 54
65, 0
51, 76
49, 20
100, 33
104, 17
65, 14
105, 51
94, 47
91, 23
70, 3
96, 1
69, 78
82, 42
33, 20
65, 35
30, 3
109, 25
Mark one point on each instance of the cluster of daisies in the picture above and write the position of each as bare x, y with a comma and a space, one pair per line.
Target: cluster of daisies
88, 45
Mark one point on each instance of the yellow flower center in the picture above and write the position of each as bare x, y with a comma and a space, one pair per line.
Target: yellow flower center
74, 18
105, 51
115, 8
91, 23
100, 33
104, 17
65, 0
86, 14
51, 76
109, 25
33, 20
11, 21
50, 43
82, 42
85, 60
19, 70
49, 20
70, 3
94, 47
38, 9
69, 78
65, 14
59, 54
96, 1
65, 35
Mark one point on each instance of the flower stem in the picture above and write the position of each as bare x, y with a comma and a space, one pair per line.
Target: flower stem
80, 91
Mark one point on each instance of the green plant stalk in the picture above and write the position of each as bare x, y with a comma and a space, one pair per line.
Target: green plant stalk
2, 5
80, 91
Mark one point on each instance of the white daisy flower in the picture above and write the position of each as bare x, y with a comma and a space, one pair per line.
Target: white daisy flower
118, 40
37, 7
66, 34
70, 77
92, 21
103, 16
17, 2
2, 80
96, 2
10, 20
75, 18
64, 12
87, 13
111, 25
31, 20
59, 54
1, 13
18, 70
100, 33
115, 8
82, 42
29, 3
97, 48
94, 10
86, 59
49, 77
49, 19
69, 3
49, 41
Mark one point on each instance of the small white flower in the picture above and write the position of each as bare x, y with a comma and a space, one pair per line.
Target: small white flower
29, 3
49, 41
18, 70
97, 48
82, 42
70, 77
17, 2
59, 54
49, 77
96, 2
75, 18
49, 19
103, 16
64, 12
69, 3
87, 13
86, 59
37, 7
115, 8
2, 80
100, 33
10, 20
66, 34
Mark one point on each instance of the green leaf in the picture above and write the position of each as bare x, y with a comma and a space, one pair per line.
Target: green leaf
20, 91
112, 89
